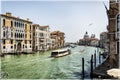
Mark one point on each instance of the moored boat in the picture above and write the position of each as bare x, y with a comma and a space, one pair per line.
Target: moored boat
61, 52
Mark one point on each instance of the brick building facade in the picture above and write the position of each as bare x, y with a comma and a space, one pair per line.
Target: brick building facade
114, 28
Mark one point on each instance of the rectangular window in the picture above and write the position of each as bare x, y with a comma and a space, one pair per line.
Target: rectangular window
30, 42
3, 22
3, 41
11, 41
118, 0
118, 22
25, 35
11, 47
41, 34
30, 36
118, 51
11, 23
3, 47
25, 42
30, 27
3, 33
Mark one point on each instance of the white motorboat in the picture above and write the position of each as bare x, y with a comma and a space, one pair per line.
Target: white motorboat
61, 52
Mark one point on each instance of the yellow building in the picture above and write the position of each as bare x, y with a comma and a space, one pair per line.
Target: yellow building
15, 34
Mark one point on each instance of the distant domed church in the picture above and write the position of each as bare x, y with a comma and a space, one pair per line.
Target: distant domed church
86, 36
90, 41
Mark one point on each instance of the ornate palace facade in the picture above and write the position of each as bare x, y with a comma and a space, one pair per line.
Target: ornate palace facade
15, 34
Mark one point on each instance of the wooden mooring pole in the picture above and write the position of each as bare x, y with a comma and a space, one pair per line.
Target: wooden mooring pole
95, 60
91, 64
83, 74
99, 57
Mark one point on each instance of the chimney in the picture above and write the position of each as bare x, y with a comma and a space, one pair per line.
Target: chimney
8, 14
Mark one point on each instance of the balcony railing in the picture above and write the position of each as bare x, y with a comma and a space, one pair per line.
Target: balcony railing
118, 35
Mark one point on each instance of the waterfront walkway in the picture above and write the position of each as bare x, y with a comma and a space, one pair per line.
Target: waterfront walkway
101, 70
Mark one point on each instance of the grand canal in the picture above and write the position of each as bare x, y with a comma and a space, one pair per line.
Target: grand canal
42, 66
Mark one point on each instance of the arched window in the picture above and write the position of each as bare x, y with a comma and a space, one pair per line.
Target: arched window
23, 35
30, 27
26, 26
118, 23
23, 25
23, 46
3, 22
3, 33
11, 23
20, 35
17, 35
118, 34
17, 24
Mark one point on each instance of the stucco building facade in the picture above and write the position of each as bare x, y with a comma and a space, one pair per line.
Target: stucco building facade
15, 34
41, 38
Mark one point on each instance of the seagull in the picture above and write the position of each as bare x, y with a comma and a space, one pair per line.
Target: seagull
90, 24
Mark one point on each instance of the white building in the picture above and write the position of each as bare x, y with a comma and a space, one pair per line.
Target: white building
41, 37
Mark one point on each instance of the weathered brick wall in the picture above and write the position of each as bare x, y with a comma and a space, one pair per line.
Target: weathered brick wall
114, 10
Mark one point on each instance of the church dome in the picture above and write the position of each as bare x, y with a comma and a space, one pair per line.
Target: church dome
86, 36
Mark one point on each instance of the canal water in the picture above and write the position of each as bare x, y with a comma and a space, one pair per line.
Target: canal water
42, 66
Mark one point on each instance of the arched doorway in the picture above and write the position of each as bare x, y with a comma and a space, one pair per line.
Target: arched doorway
19, 46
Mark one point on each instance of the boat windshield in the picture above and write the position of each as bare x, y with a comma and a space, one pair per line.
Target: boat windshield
54, 53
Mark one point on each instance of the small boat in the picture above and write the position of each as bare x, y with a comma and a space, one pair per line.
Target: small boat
60, 53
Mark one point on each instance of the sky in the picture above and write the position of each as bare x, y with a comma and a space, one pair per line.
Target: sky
73, 18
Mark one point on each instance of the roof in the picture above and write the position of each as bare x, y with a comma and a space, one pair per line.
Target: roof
103, 33
57, 32
16, 18
47, 26
60, 50
90, 39
94, 39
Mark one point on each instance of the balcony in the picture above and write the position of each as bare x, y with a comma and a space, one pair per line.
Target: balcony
118, 35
